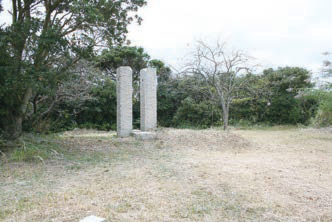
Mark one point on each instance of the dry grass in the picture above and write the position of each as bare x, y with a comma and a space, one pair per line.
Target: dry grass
185, 175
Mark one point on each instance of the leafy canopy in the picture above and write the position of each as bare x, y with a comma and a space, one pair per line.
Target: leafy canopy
46, 39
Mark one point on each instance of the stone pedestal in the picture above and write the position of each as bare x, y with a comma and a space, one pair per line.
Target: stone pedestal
148, 99
124, 90
139, 135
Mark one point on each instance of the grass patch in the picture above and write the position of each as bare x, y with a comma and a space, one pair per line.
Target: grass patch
222, 202
266, 127
73, 167
93, 157
5, 213
33, 148
83, 150
40, 148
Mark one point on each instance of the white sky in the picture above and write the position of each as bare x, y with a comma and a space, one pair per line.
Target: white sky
277, 32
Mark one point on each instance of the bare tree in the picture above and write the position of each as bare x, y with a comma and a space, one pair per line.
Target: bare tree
222, 70
324, 80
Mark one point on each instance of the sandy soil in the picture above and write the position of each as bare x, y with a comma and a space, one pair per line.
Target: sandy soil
184, 175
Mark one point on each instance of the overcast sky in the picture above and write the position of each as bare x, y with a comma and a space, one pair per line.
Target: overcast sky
277, 32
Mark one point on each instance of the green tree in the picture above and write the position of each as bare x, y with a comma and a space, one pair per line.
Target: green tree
284, 85
200, 114
251, 103
164, 72
169, 93
183, 101
45, 39
275, 97
134, 57
101, 112
323, 115
51, 107
322, 94
138, 59
117, 56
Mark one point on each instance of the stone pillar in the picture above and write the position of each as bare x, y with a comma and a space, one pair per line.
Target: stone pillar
124, 91
148, 99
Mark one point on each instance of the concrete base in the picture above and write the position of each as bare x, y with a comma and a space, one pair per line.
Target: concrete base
141, 135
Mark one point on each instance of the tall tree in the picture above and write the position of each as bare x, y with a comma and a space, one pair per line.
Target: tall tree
117, 56
164, 72
45, 39
220, 69
283, 86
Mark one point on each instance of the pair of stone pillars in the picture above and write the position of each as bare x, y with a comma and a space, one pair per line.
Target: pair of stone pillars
148, 100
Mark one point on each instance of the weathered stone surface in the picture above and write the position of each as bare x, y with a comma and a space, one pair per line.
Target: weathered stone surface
139, 135
148, 99
124, 89
93, 218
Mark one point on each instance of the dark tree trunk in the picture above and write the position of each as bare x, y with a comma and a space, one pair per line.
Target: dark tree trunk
13, 127
12, 123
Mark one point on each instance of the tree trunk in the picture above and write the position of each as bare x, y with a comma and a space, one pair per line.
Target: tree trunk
12, 125
225, 118
13, 128
225, 111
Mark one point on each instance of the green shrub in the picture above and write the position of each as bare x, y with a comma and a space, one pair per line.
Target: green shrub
323, 115
202, 115
104, 126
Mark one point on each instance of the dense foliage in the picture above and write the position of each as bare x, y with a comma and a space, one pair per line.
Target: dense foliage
40, 49
183, 101
101, 112
58, 62
273, 98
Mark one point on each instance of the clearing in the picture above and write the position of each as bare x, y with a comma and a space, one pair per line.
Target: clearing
185, 175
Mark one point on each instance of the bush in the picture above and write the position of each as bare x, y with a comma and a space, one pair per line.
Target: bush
202, 115
105, 126
101, 113
323, 115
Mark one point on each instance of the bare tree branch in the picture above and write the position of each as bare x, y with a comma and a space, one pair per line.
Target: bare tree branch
220, 70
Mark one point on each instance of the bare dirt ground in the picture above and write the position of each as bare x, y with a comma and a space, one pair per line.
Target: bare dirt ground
185, 175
